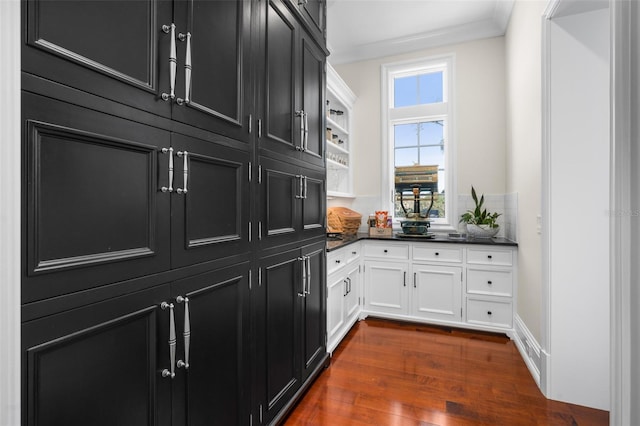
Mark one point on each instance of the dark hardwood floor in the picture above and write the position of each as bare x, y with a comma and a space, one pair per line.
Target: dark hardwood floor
388, 373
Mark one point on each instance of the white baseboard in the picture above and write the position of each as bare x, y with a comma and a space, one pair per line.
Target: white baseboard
530, 351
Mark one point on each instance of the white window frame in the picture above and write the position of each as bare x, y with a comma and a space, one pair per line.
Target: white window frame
426, 112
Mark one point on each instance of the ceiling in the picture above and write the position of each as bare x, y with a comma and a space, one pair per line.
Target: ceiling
365, 29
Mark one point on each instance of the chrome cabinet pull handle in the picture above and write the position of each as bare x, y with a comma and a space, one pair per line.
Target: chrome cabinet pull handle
349, 285
186, 332
173, 62
187, 70
170, 187
304, 279
300, 187
306, 132
307, 263
414, 280
404, 280
304, 195
185, 170
301, 115
346, 288
172, 341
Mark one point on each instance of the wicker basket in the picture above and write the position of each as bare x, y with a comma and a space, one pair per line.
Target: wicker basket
343, 220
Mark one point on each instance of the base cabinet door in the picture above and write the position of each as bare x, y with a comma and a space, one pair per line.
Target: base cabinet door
386, 289
437, 292
314, 347
213, 382
101, 364
352, 298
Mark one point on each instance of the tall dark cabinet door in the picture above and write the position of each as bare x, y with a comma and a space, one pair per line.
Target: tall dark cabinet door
314, 13
213, 326
99, 365
281, 129
211, 219
214, 90
313, 101
280, 328
313, 215
115, 49
281, 189
94, 209
314, 347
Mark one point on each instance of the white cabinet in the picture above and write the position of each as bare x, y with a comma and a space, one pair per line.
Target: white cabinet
340, 100
343, 292
466, 285
436, 292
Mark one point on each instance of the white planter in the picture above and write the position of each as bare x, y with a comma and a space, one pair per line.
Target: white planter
481, 231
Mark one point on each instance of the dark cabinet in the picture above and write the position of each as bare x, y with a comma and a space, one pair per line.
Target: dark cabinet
175, 354
314, 14
292, 200
110, 199
290, 325
292, 91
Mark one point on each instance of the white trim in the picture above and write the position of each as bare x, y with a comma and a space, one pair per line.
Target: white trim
620, 231
10, 213
448, 61
528, 347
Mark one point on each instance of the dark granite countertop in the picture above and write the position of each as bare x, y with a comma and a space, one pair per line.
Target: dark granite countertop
442, 238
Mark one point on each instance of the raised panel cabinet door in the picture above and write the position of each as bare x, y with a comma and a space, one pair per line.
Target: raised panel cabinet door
281, 129
313, 203
314, 320
437, 292
281, 190
314, 13
101, 364
352, 299
312, 101
114, 49
282, 284
210, 220
213, 379
386, 287
214, 89
336, 296
93, 205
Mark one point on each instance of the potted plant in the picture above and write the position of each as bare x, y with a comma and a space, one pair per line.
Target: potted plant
480, 223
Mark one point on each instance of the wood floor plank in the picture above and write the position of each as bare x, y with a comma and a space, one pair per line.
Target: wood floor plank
389, 373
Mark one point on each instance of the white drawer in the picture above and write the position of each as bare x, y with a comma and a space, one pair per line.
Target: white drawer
490, 256
425, 251
489, 312
335, 260
489, 282
397, 251
352, 252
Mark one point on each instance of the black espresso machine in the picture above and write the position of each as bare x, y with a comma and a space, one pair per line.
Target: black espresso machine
417, 222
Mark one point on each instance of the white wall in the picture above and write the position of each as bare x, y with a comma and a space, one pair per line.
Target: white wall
578, 343
523, 138
480, 118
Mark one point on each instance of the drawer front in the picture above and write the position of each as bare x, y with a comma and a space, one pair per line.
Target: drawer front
490, 257
387, 251
352, 252
493, 283
422, 252
335, 260
489, 312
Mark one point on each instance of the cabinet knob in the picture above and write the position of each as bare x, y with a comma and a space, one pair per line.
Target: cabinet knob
489, 313
489, 257
385, 250
354, 253
437, 254
489, 282
338, 261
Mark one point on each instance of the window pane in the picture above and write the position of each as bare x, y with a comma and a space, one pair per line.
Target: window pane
405, 91
405, 134
406, 157
430, 88
432, 133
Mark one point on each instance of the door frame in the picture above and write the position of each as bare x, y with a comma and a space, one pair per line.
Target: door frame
10, 193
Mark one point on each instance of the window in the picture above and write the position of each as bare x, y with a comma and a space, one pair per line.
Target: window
418, 146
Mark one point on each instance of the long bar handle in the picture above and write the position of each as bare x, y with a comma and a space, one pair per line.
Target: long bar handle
307, 263
170, 187
306, 132
187, 70
304, 194
172, 341
300, 187
173, 62
301, 114
304, 278
414, 280
185, 171
349, 285
186, 332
